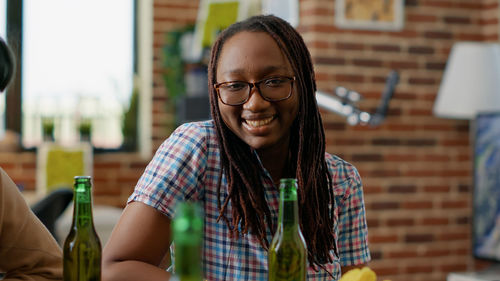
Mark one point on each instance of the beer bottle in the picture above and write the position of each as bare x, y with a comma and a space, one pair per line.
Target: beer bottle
287, 255
187, 230
82, 248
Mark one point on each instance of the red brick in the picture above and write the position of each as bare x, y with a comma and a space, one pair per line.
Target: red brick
456, 266
318, 44
383, 173
367, 62
455, 204
367, 157
422, 81
439, 4
435, 221
471, 5
372, 223
402, 127
419, 238
386, 48
454, 236
436, 252
351, 142
354, 78
422, 50
402, 189
491, 21
436, 158
421, 142
415, 205
400, 222
350, 46
376, 239
400, 157
330, 60
385, 270
402, 254
404, 65
384, 205
456, 20
420, 18
470, 37
419, 269
405, 34
438, 35
437, 188
435, 66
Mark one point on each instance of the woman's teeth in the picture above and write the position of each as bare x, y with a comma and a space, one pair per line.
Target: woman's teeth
258, 123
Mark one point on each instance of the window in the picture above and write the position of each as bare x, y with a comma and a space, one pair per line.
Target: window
77, 70
79, 62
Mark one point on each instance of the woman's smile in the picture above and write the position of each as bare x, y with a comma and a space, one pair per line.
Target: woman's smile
258, 122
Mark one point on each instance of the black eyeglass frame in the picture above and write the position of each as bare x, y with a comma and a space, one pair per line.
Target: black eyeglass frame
256, 85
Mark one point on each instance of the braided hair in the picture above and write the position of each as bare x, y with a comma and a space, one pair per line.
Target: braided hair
305, 162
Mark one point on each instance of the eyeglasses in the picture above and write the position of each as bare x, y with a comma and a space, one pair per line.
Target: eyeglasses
271, 89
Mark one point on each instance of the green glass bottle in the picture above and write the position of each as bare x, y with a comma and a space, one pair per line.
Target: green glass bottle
287, 257
187, 231
82, 248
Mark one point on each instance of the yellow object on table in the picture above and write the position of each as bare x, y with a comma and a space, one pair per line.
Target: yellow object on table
364, 274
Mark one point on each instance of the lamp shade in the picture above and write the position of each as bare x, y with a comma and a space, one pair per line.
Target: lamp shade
471, 81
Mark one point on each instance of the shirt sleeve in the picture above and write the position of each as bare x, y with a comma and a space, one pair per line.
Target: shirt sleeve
176, 171
352, 229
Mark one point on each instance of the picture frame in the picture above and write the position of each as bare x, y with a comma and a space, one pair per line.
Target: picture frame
486, 192
387, 15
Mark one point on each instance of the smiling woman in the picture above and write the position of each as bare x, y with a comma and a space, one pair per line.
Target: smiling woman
266, 126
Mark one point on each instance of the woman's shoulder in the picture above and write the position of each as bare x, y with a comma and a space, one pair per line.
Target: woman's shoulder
340, 169
334, 160
195, 131
198, 127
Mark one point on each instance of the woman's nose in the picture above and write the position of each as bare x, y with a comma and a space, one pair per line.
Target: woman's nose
256, 102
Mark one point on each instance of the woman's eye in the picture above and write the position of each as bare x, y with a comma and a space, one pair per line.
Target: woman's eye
275, 82
234, 86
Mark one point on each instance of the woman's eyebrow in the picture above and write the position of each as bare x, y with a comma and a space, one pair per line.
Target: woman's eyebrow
265, 70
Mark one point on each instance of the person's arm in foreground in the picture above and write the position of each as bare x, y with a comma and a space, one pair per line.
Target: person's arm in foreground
137, 245
27, 249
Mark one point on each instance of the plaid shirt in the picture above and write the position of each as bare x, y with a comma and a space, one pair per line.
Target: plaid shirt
187, 166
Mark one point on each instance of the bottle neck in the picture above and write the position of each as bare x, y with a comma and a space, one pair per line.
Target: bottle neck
82, 211
288, 217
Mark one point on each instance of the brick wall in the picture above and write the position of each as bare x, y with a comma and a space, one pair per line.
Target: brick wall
416, 168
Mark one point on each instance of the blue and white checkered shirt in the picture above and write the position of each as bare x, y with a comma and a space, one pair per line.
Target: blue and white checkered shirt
187, 166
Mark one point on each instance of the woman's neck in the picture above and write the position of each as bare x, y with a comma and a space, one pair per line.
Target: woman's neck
275, 161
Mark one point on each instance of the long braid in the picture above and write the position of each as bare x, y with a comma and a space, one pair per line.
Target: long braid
306, 162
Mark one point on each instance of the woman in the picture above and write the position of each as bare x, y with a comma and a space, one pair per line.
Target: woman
266, 126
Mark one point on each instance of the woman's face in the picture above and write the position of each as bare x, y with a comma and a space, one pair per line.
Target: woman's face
251, 57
